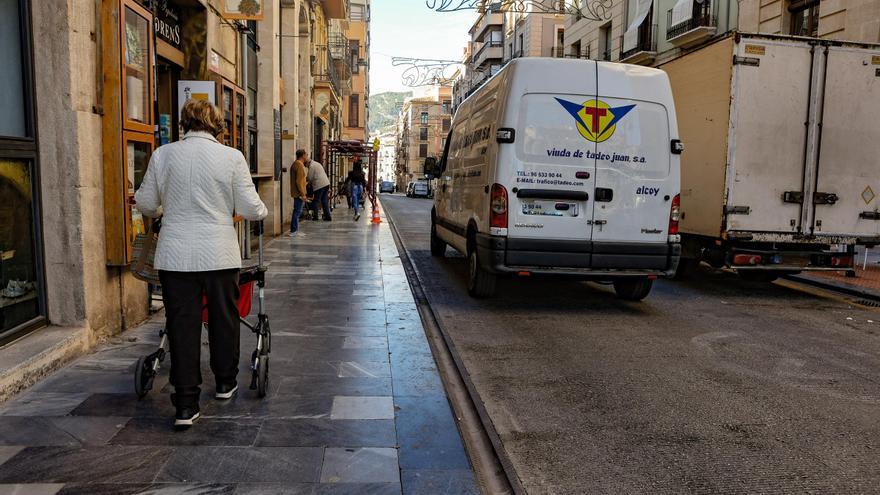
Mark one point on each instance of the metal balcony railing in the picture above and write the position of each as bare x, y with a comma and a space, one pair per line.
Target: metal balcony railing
701, 17
646, 41
324, 68
486, 46
606, 55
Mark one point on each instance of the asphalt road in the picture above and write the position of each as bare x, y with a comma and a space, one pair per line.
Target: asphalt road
714, 385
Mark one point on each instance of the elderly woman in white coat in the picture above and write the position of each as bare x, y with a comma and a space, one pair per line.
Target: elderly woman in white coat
198, 185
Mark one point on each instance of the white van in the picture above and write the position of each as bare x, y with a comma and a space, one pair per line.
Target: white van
565, 167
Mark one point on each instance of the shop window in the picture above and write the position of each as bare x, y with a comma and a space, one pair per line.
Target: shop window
12, 101
137, 58
136, 154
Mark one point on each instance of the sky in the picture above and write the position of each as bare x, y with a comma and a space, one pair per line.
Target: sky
408, 28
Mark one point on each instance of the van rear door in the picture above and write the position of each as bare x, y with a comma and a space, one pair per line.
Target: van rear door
551, 179
849, 149
635, 180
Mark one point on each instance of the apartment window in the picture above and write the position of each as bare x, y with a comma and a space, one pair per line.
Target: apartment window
447, 106
358, 13
446, 123
423, 118
423, 151
423, 134
605, 41
521, 44
804, 18
354, 106
354, 48
560, 42
575, 50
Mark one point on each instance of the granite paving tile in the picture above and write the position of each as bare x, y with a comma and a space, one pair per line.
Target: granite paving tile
110, 464
70, 381
8, 452
360, 465
60, 431
358, 489
43, 404
423, 428
362, 408
152, 406
147, 489
331, 385
238, 464
326, 433
31, 489
159, 431
445, 482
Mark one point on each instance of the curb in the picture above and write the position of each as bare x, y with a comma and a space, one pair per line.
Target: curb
869, 294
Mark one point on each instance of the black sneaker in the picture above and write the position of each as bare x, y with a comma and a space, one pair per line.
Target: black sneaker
224, 392
185, 417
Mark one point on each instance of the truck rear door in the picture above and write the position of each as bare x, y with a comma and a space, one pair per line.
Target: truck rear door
850, 146
768, 138
551, 181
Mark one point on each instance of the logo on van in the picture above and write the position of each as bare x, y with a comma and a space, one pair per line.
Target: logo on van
596, 120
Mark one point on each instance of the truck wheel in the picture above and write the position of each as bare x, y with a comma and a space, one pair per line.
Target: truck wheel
480, 282
766, 276
438, 247
686, 268
633, 289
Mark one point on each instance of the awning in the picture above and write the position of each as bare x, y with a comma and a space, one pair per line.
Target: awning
683, 11
631, 36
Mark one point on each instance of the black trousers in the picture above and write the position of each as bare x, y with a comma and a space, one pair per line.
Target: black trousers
322, 199
183, 294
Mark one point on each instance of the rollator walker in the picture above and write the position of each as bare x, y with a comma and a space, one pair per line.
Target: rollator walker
148, 366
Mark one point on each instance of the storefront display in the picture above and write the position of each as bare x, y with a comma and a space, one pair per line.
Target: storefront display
22, 304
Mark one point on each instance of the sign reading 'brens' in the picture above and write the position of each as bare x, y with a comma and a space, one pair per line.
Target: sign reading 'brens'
168, 22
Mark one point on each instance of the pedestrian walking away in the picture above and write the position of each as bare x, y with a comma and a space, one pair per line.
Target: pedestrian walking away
358, 185
298, 191
197, 185
319, 182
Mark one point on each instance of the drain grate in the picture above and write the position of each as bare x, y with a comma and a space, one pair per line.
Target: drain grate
866, 302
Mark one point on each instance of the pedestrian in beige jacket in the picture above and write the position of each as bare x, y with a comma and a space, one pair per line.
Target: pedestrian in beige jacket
298, 190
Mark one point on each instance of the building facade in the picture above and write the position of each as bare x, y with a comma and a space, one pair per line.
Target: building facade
80, 126
422, 128
355, 114
652, 32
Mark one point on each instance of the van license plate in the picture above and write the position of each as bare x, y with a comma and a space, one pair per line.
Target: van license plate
549, 208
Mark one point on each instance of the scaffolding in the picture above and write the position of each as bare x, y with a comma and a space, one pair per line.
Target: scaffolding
339, 156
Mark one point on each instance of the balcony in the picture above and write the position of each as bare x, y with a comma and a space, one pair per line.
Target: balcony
701, 26
491, 52
486, 22
645, 50
324, 69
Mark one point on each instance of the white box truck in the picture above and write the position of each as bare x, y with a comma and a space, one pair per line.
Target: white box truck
563, 167
781, 171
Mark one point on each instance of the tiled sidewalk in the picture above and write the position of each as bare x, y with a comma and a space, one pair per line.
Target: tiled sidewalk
355, 405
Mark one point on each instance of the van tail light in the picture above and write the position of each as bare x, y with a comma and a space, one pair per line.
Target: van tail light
842, 261
498, 206
675, 215
747, 259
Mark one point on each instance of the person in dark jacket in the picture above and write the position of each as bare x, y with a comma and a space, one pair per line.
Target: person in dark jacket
358, 186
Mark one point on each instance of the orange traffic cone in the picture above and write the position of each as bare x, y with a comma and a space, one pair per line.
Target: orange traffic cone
376, 219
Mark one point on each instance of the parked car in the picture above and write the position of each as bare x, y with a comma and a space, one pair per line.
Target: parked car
420, 189
386, 186
779, 172
575, 174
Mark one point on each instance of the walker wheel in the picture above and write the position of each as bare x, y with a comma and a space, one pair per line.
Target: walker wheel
263, 376
143, 377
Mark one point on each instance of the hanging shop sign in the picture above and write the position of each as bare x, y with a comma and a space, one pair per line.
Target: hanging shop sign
199, 90
167, 23
243, 9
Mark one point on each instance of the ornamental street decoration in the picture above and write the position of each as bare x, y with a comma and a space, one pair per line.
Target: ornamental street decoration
594, 10
425, 72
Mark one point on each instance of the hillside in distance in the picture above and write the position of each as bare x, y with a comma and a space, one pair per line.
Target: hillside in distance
384, 108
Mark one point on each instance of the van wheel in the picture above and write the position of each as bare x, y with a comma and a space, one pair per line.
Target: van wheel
438, 247
633, 289
480, 282
759, 275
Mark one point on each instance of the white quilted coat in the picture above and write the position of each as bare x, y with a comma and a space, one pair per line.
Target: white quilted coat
197, 185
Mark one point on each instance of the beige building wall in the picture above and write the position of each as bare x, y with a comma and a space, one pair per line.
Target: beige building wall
848, 20
358, 30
